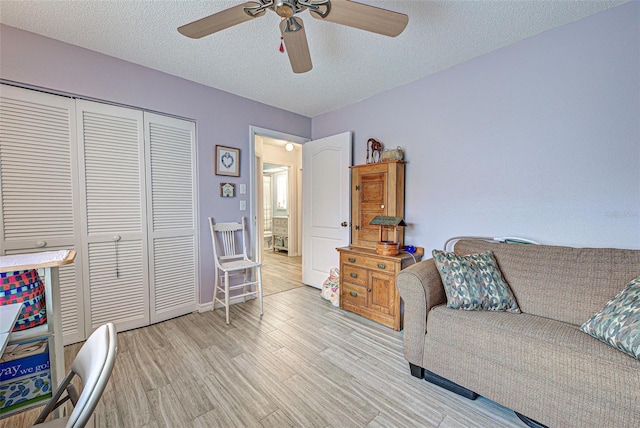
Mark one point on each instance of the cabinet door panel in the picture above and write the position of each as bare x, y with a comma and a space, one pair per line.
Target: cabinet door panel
171, 205
115, 284
35, 155
382, 293
111, 158
373, 202
378, 189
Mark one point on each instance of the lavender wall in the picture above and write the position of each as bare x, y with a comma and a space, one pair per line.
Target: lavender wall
221, 118
540, 139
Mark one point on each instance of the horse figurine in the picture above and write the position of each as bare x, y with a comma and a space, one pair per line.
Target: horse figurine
375, 148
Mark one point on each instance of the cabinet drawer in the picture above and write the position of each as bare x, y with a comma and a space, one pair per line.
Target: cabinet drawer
354, 295
351, 258
354, 275
280, 230
380, 264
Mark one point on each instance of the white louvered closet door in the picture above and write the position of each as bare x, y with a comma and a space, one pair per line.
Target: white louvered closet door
111, 157
37, 177
170, 148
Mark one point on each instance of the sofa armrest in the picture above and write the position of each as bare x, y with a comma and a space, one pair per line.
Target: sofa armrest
420, 287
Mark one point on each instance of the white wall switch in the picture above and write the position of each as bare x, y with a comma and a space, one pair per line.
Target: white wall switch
243, 189
243, 205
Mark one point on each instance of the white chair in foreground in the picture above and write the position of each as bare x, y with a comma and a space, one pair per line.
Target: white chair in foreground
229, 261
93, 365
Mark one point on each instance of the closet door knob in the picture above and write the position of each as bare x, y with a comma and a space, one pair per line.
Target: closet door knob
41, 243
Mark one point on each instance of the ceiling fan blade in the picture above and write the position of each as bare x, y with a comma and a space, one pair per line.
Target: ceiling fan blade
365, 17
296, 44
219, 21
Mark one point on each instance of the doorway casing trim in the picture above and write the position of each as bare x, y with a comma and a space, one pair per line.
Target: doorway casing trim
262, 132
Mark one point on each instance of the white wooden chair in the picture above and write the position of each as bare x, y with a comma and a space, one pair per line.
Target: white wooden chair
230, 262
93, 364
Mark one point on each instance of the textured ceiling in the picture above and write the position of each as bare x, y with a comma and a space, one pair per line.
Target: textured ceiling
348, 64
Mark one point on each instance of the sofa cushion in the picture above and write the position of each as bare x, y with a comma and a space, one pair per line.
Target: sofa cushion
562, 283
618, 323
474, 282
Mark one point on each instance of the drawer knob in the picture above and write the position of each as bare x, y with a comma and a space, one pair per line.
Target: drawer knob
382, 266
352, 259
41, 243
353, 294
353, 275
369, 290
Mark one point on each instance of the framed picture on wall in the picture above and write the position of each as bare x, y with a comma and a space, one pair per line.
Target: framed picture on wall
227, 160
227, 190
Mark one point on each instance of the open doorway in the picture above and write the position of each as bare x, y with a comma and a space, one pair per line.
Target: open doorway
276, 208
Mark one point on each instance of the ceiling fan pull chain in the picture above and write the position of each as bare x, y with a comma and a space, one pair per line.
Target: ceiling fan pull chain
281, 44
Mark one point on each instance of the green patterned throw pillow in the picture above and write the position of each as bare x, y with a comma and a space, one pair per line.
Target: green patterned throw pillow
618, 323
474, 282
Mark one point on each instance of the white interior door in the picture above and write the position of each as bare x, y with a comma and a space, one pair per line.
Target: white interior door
39, 210
111, 158
171, 205
325, 205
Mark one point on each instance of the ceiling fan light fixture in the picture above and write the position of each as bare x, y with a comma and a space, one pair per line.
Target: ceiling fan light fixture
285, 8
292, 25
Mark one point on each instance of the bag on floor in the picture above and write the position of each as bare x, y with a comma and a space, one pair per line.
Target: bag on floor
331, 287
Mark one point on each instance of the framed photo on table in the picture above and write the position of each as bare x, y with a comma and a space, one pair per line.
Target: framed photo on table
227, 161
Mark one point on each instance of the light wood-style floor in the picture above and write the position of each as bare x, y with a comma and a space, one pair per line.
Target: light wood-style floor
280, 272
305, 363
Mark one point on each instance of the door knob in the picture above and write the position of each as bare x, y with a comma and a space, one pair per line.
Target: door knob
344, 224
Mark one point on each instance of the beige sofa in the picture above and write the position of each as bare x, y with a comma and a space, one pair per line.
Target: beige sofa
538, 363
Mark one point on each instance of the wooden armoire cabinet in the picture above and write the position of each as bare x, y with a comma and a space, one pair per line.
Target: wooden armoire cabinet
367, 279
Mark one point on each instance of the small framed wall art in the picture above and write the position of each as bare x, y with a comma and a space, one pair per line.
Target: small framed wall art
227, 190
227, 161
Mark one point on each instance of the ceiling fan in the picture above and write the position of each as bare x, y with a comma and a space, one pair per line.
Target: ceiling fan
344, 12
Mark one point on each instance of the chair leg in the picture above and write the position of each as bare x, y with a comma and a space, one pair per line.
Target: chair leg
215, 287
226, 295
244, 287
260, 289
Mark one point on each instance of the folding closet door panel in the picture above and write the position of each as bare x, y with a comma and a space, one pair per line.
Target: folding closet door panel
111, 157
37, 188
170, 148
